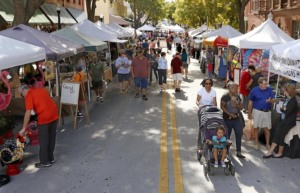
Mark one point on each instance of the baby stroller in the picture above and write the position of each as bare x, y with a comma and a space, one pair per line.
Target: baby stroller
210, 118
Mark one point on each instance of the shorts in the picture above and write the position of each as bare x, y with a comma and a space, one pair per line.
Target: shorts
177, 76
141, 82
123, 77
261, 119
185, 65
97, 84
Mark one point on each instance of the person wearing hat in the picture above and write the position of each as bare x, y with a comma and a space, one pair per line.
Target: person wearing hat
231, 104
140, 73
39, 101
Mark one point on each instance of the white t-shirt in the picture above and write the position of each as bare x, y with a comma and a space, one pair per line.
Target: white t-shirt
206, 98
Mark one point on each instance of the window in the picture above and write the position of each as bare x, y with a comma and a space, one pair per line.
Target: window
296, 29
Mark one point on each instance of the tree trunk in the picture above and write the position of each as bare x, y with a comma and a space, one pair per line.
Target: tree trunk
241, 4
91, 7
23, 12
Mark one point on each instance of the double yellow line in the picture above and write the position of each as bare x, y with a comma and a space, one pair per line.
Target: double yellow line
164, 170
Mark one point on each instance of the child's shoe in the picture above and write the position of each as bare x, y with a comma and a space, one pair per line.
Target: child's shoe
223, 164
216, 164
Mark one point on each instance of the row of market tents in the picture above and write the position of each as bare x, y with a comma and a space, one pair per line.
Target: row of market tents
284, 50
83, 36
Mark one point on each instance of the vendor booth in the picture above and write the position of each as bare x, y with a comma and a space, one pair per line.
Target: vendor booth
198, 30
89, 28
285, 61
255, 44
56, 49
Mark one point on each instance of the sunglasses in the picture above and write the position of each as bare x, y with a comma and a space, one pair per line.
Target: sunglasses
208, 83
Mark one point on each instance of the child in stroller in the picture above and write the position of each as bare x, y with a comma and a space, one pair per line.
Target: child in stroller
219, 145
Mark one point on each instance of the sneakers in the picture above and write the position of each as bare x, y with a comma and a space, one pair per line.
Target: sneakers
40, 165
52, 161
97, 98
137, 96
177, 90
145, 98
223, 164
79, 114
239, 155
101, 99
216, 165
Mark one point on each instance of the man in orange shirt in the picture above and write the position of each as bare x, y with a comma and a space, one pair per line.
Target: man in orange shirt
38, 100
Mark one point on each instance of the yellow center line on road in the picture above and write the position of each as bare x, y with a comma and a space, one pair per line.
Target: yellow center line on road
164, 171
178, 182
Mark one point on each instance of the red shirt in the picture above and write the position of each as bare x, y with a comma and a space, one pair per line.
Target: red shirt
140, 67
38, 99
245, 78
176, 63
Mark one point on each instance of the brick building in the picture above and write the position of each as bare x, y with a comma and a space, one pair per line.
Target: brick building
286, 14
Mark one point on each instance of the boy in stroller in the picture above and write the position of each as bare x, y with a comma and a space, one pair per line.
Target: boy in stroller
219, 144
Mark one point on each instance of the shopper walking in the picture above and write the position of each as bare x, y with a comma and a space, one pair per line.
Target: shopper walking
177, 70
162, 71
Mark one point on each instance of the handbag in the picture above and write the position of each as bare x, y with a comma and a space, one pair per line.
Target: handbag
155, 64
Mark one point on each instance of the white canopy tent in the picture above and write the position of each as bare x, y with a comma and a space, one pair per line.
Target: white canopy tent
226, 32
147, 28
107, 29
89, 28
285, 60
14, 53
120, 30
264, 36
131, 30
175, 28
198, 30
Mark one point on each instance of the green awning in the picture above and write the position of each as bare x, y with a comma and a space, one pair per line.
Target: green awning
7, 12
51, 12
77, 14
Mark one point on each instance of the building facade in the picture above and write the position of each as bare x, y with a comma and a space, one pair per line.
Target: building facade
105, 8
286, 14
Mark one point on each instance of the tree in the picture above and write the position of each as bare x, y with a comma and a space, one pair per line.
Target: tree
148, 10
90, 8
24, 10
169, 10
240, 5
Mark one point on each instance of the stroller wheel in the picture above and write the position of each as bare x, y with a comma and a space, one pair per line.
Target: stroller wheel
211, 171
205, 169
232, 171
199, 155
226, 171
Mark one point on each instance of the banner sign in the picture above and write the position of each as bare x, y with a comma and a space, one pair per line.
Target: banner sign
285, 67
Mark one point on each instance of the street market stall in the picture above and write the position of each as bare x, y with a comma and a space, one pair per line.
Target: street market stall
146, 28
56, 48
124, 33
285, 61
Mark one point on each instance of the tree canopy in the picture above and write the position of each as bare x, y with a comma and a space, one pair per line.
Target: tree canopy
196, 12
147, 10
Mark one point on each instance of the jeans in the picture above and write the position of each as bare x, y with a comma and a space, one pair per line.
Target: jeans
236, 125
162, 76
155, 73
47, 138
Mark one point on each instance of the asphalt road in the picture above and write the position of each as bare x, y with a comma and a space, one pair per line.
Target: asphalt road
136, 146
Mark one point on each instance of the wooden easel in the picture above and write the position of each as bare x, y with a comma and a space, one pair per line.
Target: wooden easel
69, 96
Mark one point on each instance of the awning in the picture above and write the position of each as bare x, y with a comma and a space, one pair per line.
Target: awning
7, 12
50, 10
77, 14
118, 20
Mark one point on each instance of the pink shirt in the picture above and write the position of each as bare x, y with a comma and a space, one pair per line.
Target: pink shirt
140, 67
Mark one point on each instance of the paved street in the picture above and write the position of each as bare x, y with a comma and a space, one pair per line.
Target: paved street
119, 152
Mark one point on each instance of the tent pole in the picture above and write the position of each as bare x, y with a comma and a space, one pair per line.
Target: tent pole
277, 85
56, 79
269, 73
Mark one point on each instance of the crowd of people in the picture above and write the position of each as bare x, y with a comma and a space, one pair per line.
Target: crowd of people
138, 63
